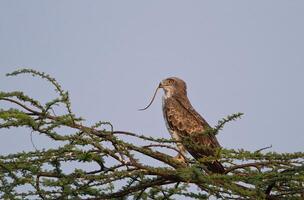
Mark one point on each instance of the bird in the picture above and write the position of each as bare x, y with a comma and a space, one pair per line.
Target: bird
187, 126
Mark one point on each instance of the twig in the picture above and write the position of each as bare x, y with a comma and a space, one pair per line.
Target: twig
20, 104
262, 149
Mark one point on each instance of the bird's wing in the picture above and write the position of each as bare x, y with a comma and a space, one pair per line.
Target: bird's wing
184, 120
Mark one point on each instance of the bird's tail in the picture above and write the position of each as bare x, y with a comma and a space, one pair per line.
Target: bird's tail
215, 167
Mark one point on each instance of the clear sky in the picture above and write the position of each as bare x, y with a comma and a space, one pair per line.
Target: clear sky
235, 56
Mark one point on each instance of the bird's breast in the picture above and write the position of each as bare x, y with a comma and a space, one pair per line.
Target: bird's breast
164, 113
181, 118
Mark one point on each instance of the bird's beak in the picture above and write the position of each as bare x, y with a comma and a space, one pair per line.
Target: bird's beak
160, 85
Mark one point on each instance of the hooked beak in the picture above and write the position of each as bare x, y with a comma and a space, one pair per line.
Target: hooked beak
160, 85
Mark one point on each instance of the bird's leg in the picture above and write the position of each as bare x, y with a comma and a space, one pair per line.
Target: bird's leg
180, 156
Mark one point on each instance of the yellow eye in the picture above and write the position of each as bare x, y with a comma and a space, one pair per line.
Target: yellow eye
170, 81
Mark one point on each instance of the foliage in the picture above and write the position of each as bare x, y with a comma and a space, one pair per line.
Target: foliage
126, 170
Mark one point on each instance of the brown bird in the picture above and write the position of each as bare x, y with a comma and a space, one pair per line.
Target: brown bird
186, 125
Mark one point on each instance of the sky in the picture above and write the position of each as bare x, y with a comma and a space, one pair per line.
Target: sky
235, 56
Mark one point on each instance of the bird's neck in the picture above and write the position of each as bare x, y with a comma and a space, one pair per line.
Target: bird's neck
180, 97
175, 93
168, 94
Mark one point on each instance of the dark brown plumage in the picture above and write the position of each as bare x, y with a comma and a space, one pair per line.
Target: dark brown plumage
186, 125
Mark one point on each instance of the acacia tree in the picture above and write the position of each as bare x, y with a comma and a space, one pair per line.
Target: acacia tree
121, 170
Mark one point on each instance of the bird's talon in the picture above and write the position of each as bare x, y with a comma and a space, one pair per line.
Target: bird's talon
180, 159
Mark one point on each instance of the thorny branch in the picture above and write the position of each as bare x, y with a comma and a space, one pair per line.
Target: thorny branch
121, 168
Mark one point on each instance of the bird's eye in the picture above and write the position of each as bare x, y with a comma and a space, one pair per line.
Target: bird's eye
170, 81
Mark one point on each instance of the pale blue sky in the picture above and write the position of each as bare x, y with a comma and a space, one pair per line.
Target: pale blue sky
236, 56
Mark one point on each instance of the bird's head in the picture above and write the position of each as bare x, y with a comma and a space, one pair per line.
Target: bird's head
173, 85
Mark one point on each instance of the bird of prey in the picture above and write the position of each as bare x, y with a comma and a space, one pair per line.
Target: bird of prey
186, 125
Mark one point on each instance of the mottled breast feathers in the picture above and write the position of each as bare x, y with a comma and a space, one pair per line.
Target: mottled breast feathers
180, 118
185, 121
